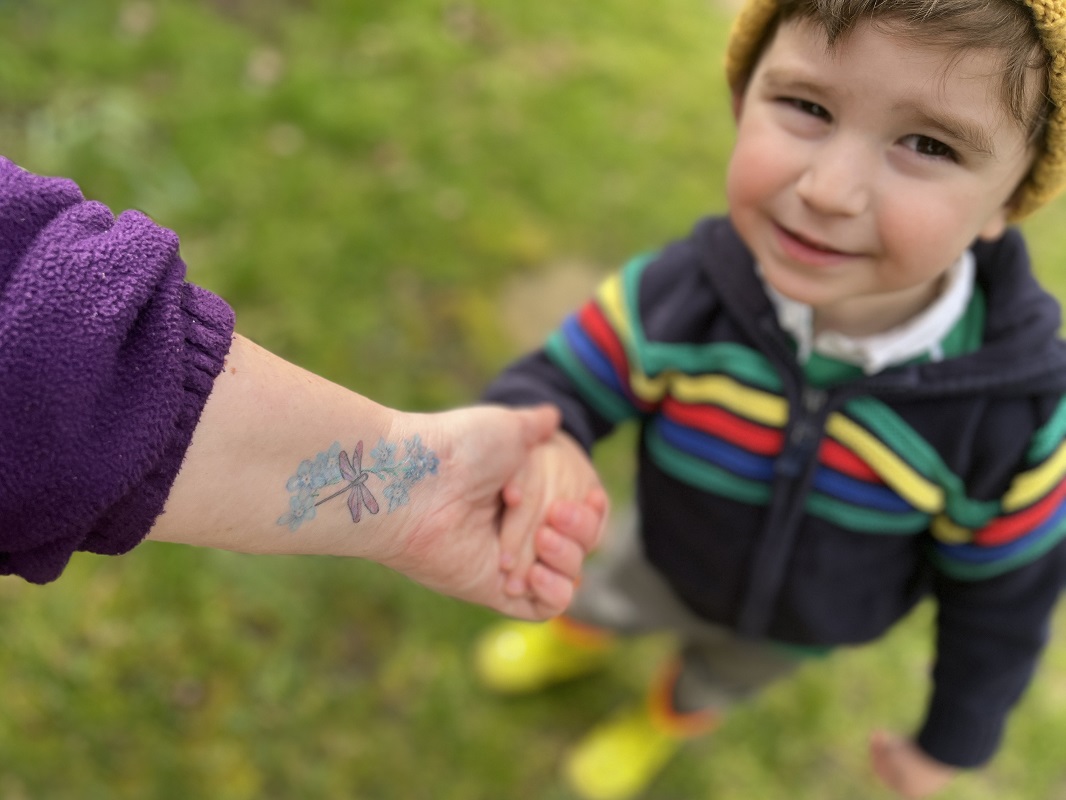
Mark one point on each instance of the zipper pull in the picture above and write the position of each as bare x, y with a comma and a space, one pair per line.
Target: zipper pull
803, 435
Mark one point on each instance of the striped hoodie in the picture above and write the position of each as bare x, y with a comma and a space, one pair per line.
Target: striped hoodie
815, 506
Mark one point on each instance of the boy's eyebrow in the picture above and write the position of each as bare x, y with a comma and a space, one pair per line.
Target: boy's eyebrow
780, 79
971, 134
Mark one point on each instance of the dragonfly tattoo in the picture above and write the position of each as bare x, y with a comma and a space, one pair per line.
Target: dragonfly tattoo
334, 466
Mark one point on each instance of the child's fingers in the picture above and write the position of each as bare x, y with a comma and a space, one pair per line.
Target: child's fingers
583, 523
597, 500
510, 524
553, 579
880, 759
906, 769
518, 575
517, 530
559, 553
551, 591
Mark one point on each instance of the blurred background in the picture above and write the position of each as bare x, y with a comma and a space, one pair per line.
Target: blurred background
402, 197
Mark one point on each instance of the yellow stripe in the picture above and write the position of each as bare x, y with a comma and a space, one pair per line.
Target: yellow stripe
915, 488
1031, 486
612, 300
949, 532
721, 390
611, 296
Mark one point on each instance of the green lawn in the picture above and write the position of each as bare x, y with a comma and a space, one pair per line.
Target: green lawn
363, 180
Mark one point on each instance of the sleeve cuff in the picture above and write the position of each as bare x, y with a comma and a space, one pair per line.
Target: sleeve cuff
209, 333
958, 736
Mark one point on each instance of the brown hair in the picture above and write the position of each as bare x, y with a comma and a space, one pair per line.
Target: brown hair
955, 25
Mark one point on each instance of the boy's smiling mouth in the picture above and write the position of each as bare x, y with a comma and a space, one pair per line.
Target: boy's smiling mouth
808, 250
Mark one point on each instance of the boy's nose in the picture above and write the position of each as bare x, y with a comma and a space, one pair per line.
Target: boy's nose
836, 180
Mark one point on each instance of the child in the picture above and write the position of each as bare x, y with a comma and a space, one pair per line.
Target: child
850, 391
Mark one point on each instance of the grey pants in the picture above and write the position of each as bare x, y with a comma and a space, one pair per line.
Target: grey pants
622, 592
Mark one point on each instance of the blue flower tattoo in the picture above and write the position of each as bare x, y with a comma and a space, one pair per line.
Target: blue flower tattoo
336, 466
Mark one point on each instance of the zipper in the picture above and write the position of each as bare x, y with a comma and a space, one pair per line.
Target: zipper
793, 470
804, 434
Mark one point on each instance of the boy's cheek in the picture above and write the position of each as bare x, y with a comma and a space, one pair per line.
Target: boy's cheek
751, 174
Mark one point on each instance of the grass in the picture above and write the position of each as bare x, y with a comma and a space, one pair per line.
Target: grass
362, 180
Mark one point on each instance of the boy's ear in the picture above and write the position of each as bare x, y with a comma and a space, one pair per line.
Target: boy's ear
738, 103
996, 225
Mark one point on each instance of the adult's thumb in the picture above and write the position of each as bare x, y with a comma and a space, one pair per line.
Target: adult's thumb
538, 423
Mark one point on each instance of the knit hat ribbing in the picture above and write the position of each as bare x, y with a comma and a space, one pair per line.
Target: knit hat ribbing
1048, 175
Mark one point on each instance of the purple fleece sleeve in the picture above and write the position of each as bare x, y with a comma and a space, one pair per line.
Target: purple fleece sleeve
107, 357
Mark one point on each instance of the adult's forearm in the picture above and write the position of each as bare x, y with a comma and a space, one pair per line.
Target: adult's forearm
250, 470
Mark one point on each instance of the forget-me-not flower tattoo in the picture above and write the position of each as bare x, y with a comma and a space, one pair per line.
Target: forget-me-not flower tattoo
335, 466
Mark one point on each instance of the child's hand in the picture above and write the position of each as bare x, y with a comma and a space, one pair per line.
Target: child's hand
905, 769
571, 531
557, 486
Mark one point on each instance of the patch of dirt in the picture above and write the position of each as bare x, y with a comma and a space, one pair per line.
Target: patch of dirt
532, 305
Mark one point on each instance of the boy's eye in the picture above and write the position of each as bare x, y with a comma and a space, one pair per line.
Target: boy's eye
929, 147
807, 107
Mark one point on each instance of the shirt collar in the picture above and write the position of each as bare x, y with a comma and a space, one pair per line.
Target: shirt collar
921, 335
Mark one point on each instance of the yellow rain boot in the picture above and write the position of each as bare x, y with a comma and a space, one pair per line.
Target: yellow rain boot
516, 657
619, 759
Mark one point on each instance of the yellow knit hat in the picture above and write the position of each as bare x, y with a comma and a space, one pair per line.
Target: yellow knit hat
1048, 175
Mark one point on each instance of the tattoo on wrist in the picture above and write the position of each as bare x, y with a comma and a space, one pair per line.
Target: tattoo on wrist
334, 466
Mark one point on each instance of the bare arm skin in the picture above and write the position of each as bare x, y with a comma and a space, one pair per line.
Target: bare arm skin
286, 462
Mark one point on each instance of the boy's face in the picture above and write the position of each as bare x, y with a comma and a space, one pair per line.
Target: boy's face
861, 174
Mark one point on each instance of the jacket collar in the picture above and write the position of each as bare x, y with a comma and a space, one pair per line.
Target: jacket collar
1022, 352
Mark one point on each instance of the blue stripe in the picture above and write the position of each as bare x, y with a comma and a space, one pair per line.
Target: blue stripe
860, 493
582, 345
715, 451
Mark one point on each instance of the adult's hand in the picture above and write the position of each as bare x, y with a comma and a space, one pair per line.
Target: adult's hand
453, 545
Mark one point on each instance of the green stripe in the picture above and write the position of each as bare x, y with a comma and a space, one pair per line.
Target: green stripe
823, 372
967, 335
702, 475
748, 366
632, 273
605, 401
1048, 438
865, 520
804, 651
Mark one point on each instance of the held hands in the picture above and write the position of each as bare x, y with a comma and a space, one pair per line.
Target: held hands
557, 481
905, 769
454, 545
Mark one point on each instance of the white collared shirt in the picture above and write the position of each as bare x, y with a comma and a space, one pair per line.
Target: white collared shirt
921, 335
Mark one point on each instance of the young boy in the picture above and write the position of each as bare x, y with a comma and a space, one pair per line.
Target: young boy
850, 391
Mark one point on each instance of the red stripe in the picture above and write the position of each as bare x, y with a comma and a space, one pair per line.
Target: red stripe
600, 331
834, 455
1007, 529
710, 419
